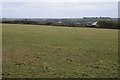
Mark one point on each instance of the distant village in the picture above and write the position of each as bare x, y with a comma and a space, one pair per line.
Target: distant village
99, 22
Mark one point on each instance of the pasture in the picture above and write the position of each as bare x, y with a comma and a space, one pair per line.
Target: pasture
41, 51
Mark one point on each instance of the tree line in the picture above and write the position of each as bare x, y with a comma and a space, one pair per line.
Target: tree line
107, 24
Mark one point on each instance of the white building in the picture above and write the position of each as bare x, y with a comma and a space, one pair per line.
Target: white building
94, 24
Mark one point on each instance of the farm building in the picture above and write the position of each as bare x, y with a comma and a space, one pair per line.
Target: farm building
95, 23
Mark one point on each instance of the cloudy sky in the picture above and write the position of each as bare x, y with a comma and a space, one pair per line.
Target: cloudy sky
59, 9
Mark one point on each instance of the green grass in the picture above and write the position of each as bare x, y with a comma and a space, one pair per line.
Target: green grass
50, 52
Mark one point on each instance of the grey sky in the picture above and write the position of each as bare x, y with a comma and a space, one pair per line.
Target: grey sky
60, 0
59, 9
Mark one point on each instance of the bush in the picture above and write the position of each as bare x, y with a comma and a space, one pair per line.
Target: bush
108, 24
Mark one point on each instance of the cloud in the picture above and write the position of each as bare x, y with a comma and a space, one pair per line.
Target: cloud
60, 0
63, 9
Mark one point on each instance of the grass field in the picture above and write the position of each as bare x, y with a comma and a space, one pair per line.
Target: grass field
50, 52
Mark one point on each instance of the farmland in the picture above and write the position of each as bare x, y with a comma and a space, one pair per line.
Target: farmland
42, 51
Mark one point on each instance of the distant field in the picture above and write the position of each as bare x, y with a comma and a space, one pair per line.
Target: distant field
51, 52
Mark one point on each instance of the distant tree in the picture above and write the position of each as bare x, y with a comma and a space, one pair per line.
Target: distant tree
49, 23
107, 24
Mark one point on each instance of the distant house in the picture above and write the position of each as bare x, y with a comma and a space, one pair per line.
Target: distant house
94, 24
59, 22
77, 24
91, 24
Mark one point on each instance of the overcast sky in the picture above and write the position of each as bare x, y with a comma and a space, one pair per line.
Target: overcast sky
60, 9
